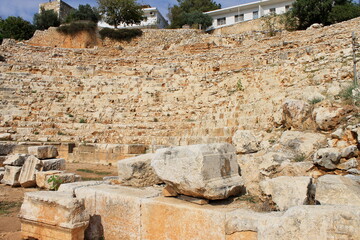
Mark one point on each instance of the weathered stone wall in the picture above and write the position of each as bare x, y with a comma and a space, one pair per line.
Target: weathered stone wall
60, 7
52, 38
238, 28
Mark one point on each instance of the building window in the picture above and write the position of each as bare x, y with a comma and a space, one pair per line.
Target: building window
287, 8
272, 10
239, 18
221, 21
255, 14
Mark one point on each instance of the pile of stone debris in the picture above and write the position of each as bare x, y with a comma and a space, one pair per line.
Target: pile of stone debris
39, 167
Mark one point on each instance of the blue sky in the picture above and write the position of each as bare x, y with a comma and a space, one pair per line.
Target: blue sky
27, 8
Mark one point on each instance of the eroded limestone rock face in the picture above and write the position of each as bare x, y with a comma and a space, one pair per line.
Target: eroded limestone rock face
300, 222
327, 157
328, 118
245, 141
15, 159
206, 170
296, 114
43, 152
137, 171
53, 214
11, 176
27, 176
334, 189
302, 142
53, 164
287, 192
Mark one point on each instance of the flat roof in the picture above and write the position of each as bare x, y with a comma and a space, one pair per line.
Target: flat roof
245, 5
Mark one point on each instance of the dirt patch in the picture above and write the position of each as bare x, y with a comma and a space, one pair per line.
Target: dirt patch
90, 172
12, 198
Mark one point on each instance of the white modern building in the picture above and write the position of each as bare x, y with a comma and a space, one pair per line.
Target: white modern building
248, 11
153, 19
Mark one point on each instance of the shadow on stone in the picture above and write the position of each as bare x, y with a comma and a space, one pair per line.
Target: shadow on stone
95, 230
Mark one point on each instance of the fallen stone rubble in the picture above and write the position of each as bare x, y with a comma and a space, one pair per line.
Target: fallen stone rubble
308, 207
36, 169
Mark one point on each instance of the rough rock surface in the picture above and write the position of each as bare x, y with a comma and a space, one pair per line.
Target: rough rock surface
207, 171
55, 208
302, 142
53, 164
327, 157
11, 176
328, 118
296, 113
43, 152
339, 190
137, 171
287, 192
245, 141
16, 159
27, 176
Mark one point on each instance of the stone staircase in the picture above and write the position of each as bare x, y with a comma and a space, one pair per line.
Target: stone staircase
196, 88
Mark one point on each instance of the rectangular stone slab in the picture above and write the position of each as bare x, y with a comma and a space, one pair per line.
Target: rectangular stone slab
37, 230
119, 208
169, 218
11, 176
43, 152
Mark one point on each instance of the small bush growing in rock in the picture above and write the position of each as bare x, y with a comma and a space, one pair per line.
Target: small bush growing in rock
350, 94
315, 100
299, 157
120, 34
76, 27
239, 86
55, 182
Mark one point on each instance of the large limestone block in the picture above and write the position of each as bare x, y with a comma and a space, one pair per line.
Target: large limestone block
333, 189
46, 181
287, 192
314, 222
27, 176
42, 178
327, 157
6, 148
207, 170
15, 159
1, 174
245, 141
11, 176
119, 208
297, 114
43, 152
53, 164
328, 118
2, 160
302, 142
137, 171
71, 187
299, 222
169, 218
53, 215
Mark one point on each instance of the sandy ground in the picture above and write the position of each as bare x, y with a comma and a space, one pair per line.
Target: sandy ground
11, 198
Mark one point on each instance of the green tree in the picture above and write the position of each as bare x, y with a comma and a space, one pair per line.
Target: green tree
45, 19
178, 14
84, 12
116, 12
308, 12
16, 28
344, 12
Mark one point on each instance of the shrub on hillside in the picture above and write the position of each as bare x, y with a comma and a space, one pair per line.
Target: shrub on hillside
120, 34
76, 27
